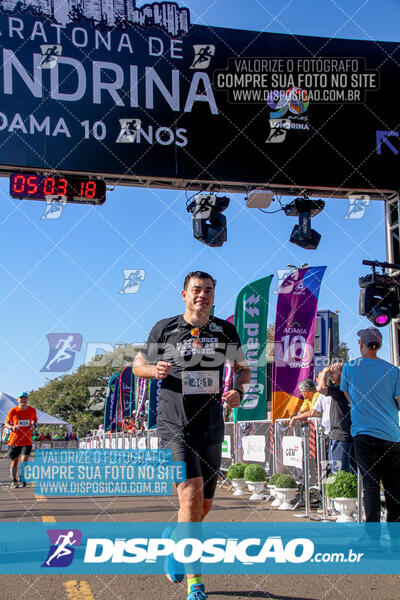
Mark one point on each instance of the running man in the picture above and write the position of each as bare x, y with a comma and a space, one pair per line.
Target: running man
62, 550
62, 354
21, 421
188, 352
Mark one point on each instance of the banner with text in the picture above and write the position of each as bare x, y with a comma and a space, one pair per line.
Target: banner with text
152, 83
294, 338
251, 316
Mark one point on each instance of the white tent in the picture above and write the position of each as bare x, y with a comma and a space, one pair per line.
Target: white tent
7, 402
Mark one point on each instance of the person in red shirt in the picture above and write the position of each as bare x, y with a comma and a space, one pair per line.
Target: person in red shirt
21, 421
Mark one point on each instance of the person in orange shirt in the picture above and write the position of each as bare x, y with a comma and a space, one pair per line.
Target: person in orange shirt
21, 421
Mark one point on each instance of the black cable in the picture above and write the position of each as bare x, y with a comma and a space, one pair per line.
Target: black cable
270, 212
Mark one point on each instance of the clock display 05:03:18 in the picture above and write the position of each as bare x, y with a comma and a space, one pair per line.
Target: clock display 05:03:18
39, 187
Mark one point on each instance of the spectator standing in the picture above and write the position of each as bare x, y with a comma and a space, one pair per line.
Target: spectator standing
372, 386
341, 441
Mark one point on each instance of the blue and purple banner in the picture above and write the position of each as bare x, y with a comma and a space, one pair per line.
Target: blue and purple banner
110, 406
154, 393
142, 388
127, 392
295, 323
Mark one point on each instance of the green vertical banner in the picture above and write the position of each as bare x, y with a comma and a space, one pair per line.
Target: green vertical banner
251, 320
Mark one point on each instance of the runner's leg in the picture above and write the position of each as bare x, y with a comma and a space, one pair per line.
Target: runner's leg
26, 451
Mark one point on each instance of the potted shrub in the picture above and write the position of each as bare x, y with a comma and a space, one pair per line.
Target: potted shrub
342, 488
285, 491
271, 487
255, 477
235, 474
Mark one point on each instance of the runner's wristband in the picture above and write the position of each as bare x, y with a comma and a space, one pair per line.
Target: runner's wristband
241, 394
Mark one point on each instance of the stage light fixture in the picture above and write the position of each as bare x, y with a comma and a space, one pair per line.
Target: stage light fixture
259, 198
379, 295
209, 225
305, 209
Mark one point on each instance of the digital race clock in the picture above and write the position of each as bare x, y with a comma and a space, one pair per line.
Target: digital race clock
72, 188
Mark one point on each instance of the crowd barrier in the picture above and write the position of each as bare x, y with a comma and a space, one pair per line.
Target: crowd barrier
276, 447
49, 445
299, 451
289, 450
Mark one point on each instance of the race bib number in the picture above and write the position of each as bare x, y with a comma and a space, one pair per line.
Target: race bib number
200, 382
24, 423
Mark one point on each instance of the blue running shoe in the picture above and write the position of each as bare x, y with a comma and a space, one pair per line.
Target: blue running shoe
173, 569
197, 592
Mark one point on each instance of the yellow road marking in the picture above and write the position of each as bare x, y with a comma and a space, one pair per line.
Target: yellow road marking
48, 519
78, 590
40, 498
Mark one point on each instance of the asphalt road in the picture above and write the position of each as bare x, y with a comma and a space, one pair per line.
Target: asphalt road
21, 505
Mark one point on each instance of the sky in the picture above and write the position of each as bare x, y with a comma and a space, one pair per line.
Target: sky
65, 275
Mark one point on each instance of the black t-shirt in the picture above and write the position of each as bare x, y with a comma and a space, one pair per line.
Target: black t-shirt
339, 415
190, 406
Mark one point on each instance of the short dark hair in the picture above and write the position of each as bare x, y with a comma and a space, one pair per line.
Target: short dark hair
198, 275
374, 345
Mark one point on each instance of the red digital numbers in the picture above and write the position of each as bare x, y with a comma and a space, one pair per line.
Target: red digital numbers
31, 186
88, 189
40, 187
18, 185
49, 185
91, 189
62, 186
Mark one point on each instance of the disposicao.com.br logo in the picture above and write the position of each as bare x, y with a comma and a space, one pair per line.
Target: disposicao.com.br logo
61, 551
214, 548
192, 550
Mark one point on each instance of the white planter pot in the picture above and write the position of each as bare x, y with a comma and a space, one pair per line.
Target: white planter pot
346, 507
271, 490
285, 495
256, 487
276, 501
240, 485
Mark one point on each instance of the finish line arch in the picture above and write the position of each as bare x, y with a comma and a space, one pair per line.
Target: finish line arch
144, 98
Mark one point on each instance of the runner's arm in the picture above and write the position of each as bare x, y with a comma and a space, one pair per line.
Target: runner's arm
242, 375
322, 385
142, 368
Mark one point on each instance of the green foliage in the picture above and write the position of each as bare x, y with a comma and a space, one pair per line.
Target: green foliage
236, 471
341, 485
285, 482
273, 478
69, 396
254, 472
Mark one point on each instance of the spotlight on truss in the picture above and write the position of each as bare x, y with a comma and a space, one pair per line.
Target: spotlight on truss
209, 225
305, 209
